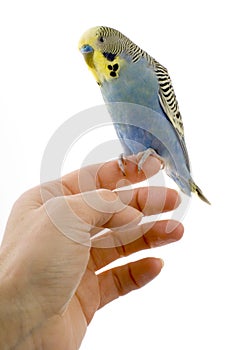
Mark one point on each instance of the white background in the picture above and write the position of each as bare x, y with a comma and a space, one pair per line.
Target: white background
44, 81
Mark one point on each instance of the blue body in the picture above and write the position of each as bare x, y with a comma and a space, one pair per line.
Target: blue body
140, 122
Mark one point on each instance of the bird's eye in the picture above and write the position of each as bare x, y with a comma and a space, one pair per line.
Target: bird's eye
101, 39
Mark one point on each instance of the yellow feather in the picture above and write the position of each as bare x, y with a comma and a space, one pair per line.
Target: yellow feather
96, 61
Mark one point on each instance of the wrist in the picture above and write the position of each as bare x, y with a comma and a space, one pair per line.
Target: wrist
19, 313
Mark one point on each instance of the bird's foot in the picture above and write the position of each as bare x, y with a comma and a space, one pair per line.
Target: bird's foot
146, 154
143, 157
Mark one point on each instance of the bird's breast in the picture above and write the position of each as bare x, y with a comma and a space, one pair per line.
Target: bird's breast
136, 83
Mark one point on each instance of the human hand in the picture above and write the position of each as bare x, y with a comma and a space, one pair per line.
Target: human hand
50, 257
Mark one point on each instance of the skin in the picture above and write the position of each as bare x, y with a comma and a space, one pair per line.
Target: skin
50, 288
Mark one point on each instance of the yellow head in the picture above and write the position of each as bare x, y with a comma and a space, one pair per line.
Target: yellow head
101, 48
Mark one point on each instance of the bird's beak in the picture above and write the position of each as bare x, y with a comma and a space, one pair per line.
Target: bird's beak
88, 52
85, 49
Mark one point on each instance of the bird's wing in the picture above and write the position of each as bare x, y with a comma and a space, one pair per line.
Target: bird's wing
169, 104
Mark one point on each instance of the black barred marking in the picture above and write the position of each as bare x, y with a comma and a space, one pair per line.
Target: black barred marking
165, 83
163, 79
116, 43
172, 104
167, 88
169, 95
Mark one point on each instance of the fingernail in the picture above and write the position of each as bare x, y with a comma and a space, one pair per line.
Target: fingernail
162, 262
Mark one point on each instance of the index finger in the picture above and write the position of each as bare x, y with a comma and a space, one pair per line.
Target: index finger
97, 176
109, 176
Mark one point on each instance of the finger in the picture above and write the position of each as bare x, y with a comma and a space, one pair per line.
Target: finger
151, 200
77, 215
123, 279
104, 175
148, 200
108, 175
120, 244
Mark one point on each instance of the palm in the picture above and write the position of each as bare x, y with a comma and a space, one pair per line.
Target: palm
66, 331
91, 293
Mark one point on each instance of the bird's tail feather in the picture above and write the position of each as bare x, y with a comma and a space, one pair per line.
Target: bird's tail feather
198, 191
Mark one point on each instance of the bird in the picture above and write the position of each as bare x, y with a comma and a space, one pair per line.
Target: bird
141, 101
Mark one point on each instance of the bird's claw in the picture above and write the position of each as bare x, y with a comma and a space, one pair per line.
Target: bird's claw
146, 154
121, 163
149, 152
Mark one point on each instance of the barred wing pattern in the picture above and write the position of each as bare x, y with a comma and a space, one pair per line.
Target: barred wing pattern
170, 105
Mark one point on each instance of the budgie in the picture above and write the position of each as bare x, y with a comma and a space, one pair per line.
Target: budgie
140, 98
